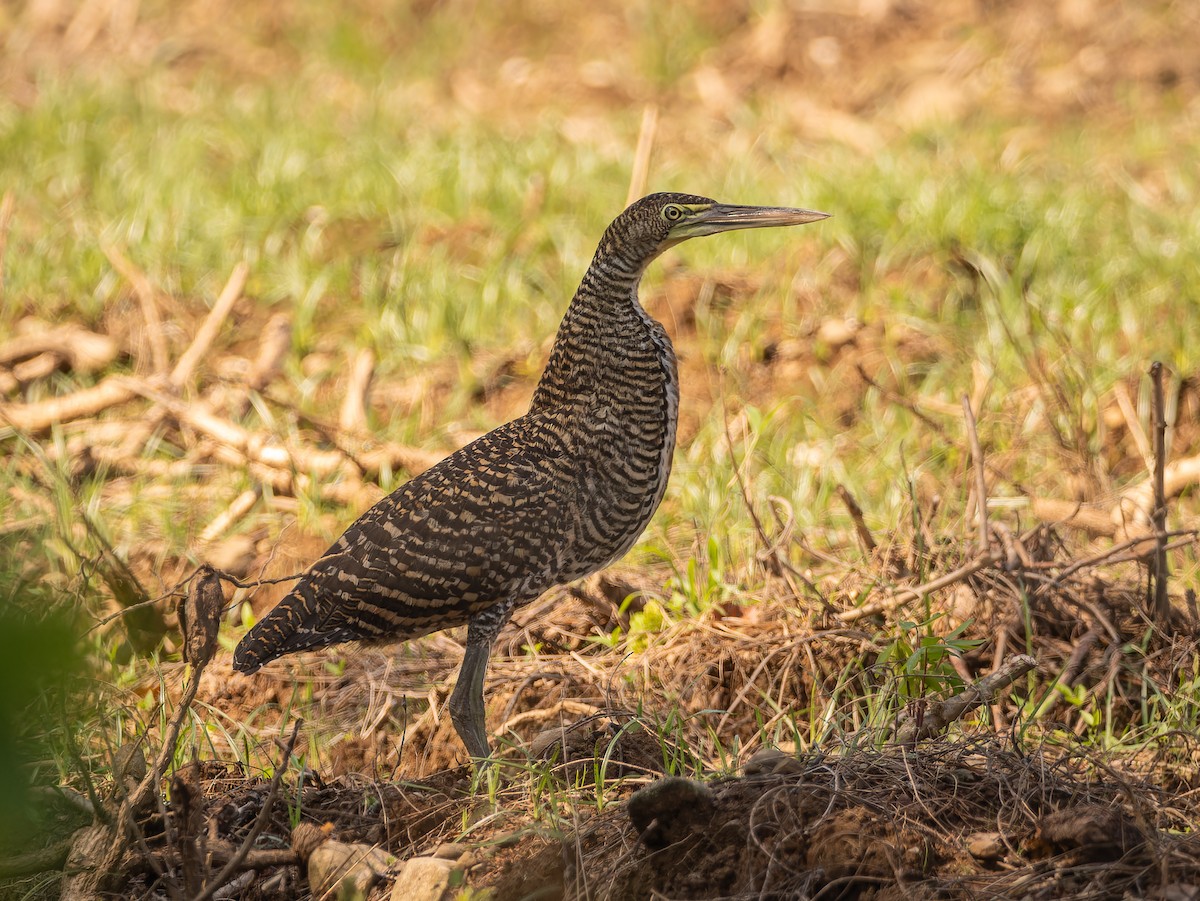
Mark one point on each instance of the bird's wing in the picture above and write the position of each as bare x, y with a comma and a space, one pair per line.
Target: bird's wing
484, 523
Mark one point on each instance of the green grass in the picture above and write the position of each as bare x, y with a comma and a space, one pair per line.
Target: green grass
379, 212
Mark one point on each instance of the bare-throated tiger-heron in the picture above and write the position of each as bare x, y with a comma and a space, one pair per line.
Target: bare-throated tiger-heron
550, 497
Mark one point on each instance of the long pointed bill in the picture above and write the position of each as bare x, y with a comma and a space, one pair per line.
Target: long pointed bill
723, 217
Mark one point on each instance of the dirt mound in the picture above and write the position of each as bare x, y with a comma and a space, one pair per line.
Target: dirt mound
984, 819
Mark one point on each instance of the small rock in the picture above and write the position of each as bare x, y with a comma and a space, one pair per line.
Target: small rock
451, 850
986, 846
423, 879
772, 761
339, 870
837, 333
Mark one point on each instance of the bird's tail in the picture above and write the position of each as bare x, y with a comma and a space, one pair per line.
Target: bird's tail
295, 624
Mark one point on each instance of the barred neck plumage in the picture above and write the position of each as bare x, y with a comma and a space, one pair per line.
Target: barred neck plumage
605, 330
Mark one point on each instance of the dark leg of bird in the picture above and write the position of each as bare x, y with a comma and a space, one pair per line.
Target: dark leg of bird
466, 702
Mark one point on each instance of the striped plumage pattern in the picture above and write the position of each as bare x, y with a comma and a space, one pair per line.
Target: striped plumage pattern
547, 498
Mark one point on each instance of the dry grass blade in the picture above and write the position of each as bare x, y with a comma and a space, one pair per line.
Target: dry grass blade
147, 296
1161, 604
856, 515
1133, 424
980, 476
640, 172
207, 333
7, 204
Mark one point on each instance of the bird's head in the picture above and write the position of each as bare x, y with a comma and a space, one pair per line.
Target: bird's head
659, 221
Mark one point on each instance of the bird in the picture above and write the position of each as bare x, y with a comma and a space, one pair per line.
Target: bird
548, 498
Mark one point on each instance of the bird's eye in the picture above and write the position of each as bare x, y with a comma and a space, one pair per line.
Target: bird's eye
672, 212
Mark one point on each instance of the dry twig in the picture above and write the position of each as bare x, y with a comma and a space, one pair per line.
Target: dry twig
936, 716
353, 415
907, 595
856, 515
39, 417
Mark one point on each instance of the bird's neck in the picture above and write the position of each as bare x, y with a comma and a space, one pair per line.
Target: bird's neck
605, 338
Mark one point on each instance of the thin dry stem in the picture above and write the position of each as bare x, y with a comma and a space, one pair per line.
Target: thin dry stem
147, 296
980, 476
856, 515
1161, 603
209, 329
640, 172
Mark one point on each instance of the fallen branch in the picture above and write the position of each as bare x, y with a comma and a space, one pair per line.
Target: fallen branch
1074, 514
353, 415
239, 507
83, 351
40, 416
258, 447
223, 852
276, 342
286, 485
1136, 507
934, 717
27, 371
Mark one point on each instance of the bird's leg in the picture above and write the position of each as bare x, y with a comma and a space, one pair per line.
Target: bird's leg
466, 701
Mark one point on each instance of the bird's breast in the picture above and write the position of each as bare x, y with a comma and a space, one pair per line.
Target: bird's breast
623, 460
